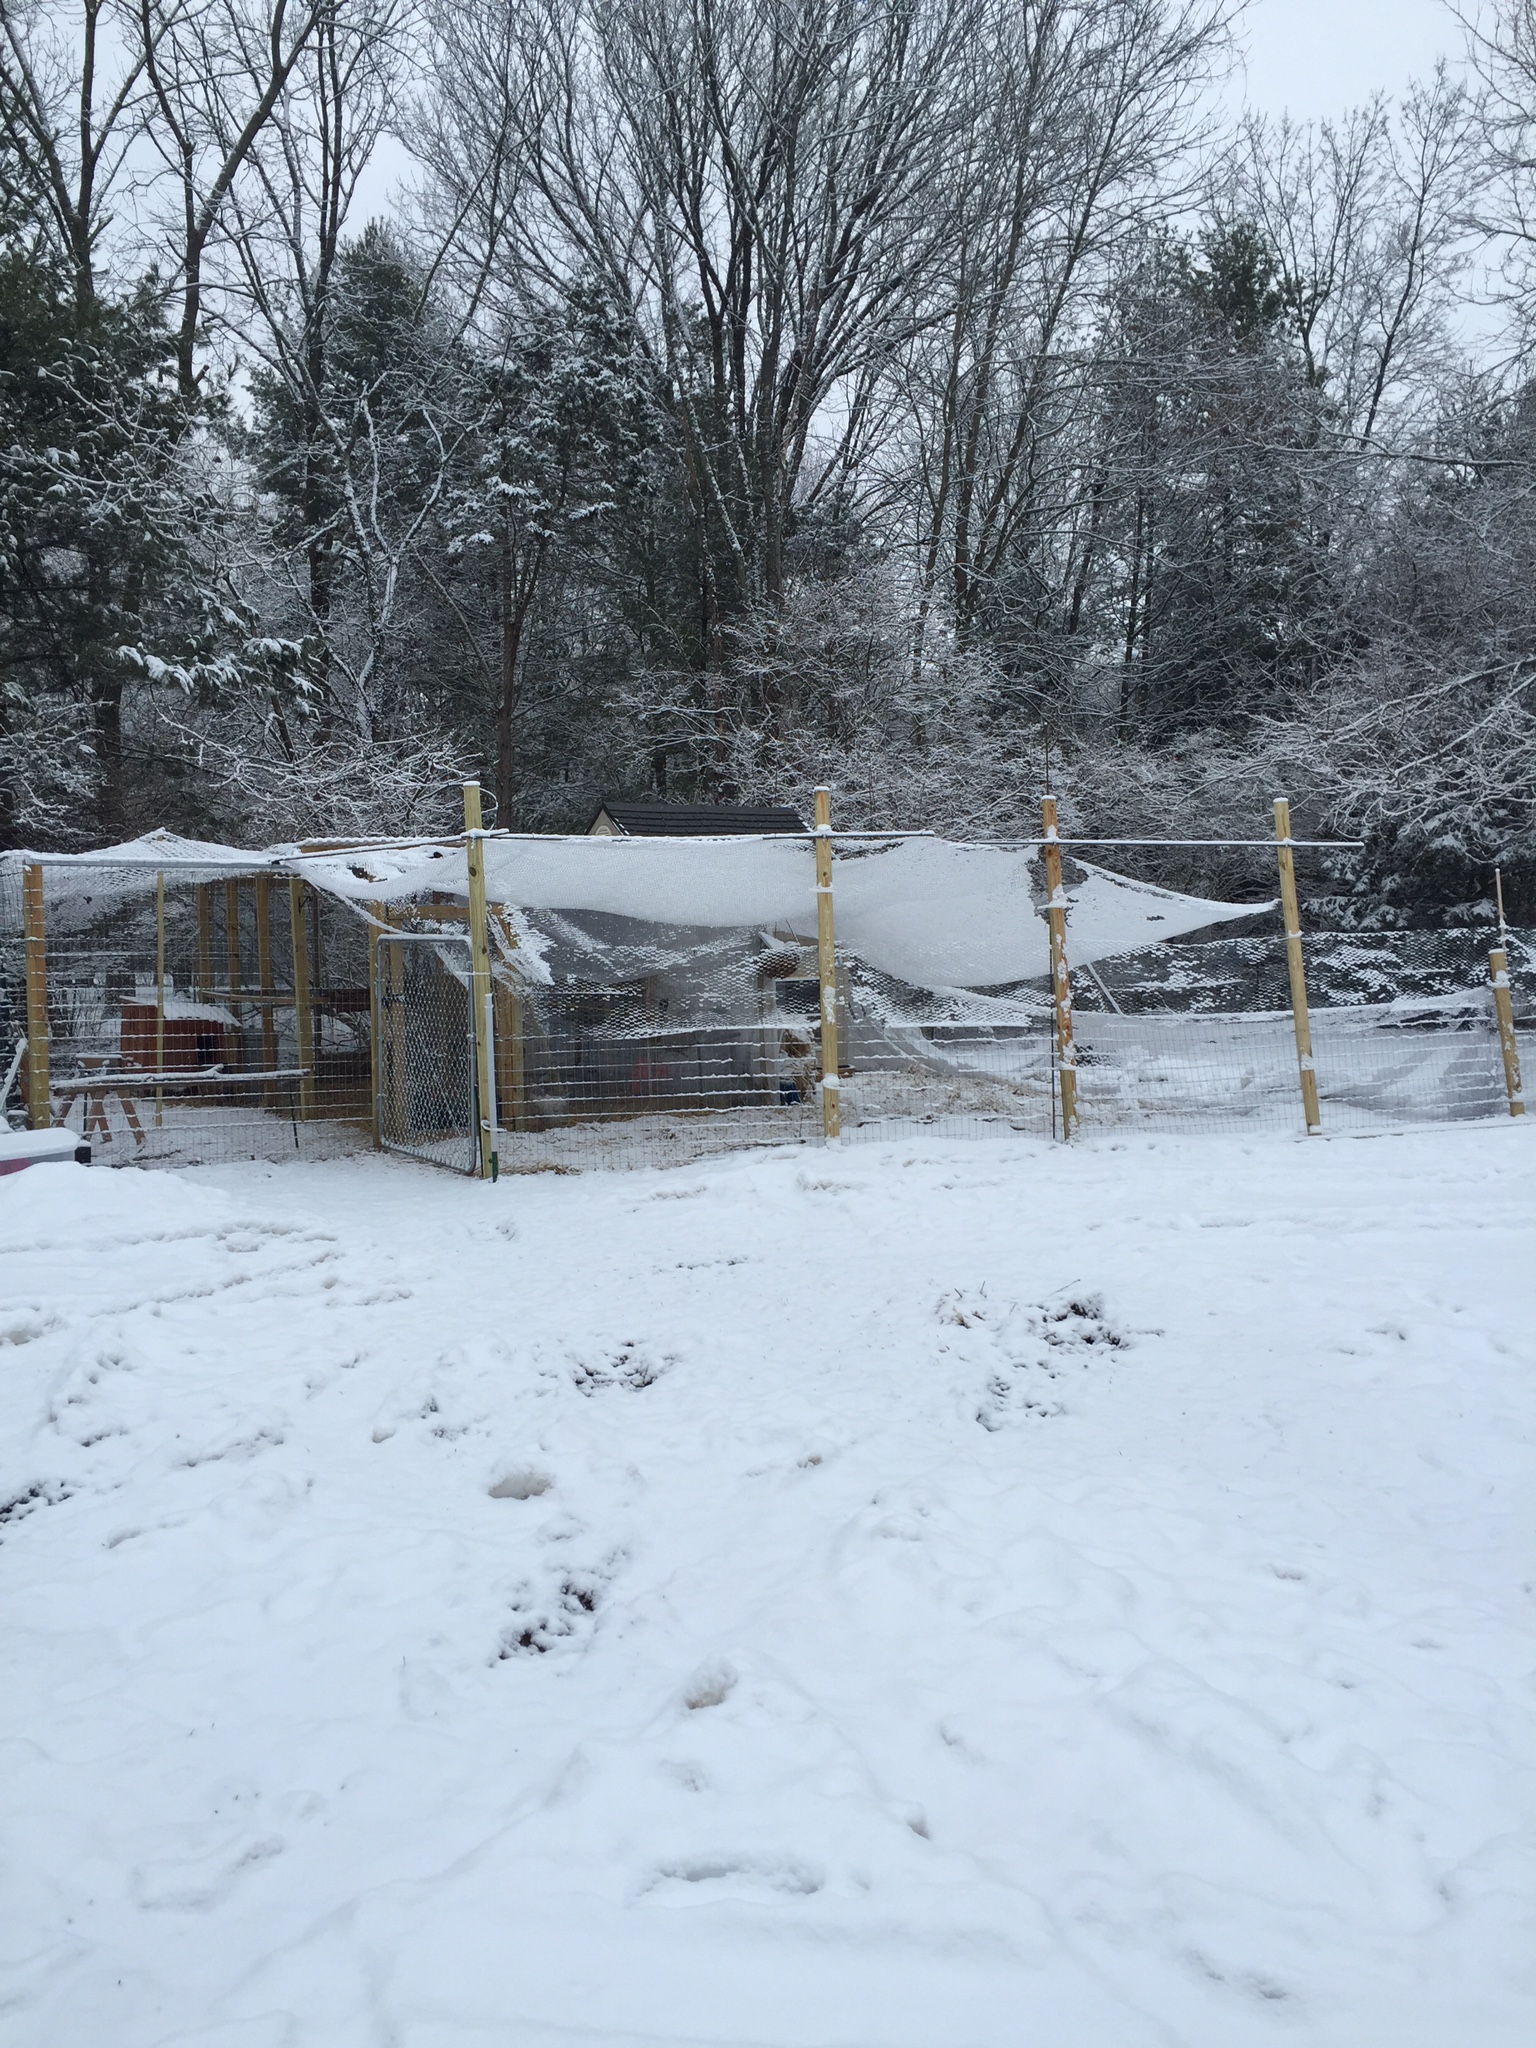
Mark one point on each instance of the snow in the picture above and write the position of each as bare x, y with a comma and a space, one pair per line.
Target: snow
152, 853
934, 914
915, 1596
183, 1010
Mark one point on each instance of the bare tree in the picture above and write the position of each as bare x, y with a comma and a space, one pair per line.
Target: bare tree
72, 107
290, 209
768, 187
217, 71
1083, 110
1366, 220
1501, 44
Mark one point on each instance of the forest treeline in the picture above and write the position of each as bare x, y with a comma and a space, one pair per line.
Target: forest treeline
924, 396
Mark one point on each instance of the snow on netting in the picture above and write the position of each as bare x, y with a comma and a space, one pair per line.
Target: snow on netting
659, 999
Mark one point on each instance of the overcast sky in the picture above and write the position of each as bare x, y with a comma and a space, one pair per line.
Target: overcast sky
1313, 58
1317, 57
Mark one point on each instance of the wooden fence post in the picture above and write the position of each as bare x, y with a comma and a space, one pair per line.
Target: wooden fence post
1061, 980
509, 1036
509, 1059
826, 963
39, 1104
1503, 1009
481, 1007
205, 939
380, 915
303, 1005
159, 994
232, 952
1301, 1016
264, 977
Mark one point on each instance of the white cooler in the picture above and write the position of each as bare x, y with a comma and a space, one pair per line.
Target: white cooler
19, 1149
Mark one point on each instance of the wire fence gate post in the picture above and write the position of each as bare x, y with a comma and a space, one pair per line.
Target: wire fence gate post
1504, 1011
826, 964
1061, 980
1301, 1016
482, 1017
39, 1099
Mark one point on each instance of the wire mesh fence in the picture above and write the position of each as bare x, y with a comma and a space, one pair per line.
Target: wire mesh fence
1376, 1065
191, 1023
599, 1078
601, 1094
1345, 969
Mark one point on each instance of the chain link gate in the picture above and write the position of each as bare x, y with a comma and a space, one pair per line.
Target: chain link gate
426, 1069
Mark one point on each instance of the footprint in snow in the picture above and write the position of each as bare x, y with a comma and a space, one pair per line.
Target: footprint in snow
1032, 1352
26, 1329
43, 1493
743, 1874
630, 1364
562, 1617
711, 1687
525, 1483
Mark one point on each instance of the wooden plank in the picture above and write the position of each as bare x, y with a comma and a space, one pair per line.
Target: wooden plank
159, 994
232, 934
1509, 1045
264, 970
204, 894
144, 1080
39, 1103
482, 1015
303, 1008
1061, 979
511, 1072
376, 1029
510, 1068
826, 967
1301, 1015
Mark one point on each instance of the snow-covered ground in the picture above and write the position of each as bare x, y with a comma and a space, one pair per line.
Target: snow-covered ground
929, 1597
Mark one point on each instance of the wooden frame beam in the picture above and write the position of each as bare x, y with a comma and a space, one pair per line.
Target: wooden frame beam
1061, 979
826, 966
1301, 1015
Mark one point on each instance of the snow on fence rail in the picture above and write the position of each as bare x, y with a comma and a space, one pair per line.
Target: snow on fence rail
644, 1001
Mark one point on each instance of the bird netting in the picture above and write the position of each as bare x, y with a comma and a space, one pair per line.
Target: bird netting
924, 911
658, 999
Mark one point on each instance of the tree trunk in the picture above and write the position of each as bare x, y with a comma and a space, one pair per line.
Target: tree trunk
517, 595
107, 717
506, 694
